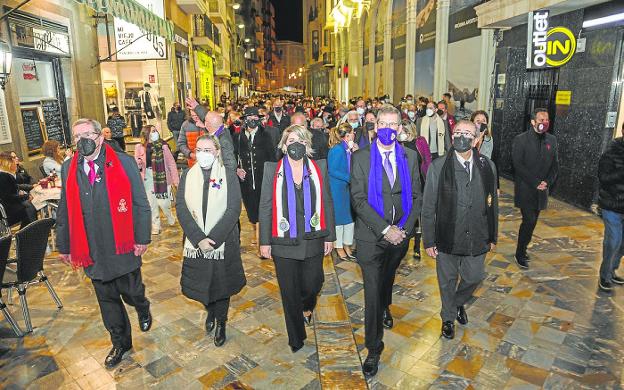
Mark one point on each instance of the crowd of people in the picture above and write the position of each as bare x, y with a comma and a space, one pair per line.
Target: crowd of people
357, 180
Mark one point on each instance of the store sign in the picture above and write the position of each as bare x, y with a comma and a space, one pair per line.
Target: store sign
463, 25
426, 33
40, 39
134, 13
563, 98
548, 47
135, 43
205, 70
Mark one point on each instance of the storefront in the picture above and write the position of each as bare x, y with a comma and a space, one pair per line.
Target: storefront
182, 64
573, 68
41, 75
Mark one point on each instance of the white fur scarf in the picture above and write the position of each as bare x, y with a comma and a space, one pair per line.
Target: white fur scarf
217, 204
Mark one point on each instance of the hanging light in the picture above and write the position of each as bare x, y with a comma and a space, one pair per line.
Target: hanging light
252, 49
236, 6
5, 63
247, 40
241, 25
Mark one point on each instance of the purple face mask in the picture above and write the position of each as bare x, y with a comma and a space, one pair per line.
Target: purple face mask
386, 135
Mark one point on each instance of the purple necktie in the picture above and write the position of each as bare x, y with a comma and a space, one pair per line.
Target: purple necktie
91, 172
388, 168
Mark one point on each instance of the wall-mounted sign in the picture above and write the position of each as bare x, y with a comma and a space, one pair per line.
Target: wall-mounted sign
426, 30
5, 132
463, 25
40, 39
205, 73
136, 43
548, 47
563, 98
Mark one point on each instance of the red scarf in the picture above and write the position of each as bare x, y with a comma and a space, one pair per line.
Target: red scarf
120, 203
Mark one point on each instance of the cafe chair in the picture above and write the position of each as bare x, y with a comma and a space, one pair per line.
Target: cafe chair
5, 228
43, 172
5, 247
31, 243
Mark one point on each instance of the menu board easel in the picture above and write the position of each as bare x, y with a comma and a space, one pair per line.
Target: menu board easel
33, 129
53, 120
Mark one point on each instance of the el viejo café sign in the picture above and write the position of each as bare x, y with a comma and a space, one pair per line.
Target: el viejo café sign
548, 47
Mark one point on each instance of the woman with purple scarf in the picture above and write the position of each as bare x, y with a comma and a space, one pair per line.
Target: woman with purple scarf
297, 227
411, 138
342, 147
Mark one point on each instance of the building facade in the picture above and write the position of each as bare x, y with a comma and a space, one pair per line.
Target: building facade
317, 45
290, 66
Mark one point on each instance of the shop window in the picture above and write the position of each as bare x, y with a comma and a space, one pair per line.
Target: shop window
35, 80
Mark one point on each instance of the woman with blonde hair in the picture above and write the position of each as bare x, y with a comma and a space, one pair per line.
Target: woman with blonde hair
297, 227
159, 172
342, 147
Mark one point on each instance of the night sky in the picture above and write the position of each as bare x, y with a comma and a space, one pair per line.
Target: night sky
289, 19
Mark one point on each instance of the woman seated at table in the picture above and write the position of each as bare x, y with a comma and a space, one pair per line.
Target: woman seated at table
16, 202
23, 178
54, 157
297, 227
208, 206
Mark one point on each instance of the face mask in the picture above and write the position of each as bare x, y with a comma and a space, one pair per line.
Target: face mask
354, 125
154, 137
402, 137
360, 111
411, 114
178, 108
543, 127
252, 123
369, 106
429, 112
410, 101
440, 112
350, 144
277, 109
205, 159
386, 135
237, 123
370, 126
86, 146
420, 112
296, 151
462, 143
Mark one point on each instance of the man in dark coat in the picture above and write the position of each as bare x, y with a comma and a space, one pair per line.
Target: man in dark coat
109, 251
536, 165
175, 118
320, 139
278, 118
460, 222
611, 201
382, 240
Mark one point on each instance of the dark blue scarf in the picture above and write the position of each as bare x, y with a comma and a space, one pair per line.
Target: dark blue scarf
375, 181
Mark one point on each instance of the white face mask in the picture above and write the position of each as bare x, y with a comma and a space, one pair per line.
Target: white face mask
429, 112
402, 137
350, 144
411, 114
360, 111
205, 159
154, 137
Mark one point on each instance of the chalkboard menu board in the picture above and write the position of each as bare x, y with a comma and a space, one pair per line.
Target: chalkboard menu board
53, 120
32, 129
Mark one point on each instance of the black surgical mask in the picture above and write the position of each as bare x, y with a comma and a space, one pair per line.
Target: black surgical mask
252, 123
370, 126
440, 112
277, 109
237, 123
86, 146
462, 143
296, 151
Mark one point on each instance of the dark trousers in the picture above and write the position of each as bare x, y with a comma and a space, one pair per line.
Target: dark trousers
471, 270
417, 236
300, 282
219, 309
379, 262
24, 217
251, 198
529, 220
121, 141
131, 289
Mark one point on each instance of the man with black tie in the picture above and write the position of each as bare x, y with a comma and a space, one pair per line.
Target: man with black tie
385, 188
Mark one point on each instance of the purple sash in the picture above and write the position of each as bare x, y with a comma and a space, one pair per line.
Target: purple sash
348, 151
219, 131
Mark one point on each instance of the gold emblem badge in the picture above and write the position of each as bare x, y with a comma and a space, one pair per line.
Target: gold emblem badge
122, 208
489, 200
315, 220
283, 225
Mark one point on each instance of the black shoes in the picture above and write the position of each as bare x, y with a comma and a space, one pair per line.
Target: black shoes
371, 364
617, 280
462, 317
145, 321
448, 330
523, 262
295, 349
115, 355
308, 319
605, 285
219, 337
210, 323
388, 321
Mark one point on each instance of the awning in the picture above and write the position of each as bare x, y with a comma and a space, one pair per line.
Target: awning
135, 13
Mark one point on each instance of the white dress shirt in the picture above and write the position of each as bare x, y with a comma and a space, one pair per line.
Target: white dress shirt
462, 161
85, 165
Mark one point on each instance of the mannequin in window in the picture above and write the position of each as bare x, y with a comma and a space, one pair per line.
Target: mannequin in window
149, 103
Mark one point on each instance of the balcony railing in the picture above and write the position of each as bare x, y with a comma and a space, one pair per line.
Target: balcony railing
217, 11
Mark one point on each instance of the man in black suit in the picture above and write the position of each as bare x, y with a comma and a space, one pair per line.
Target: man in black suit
278, 117
387, 198
536, 166
93, 230
320, 139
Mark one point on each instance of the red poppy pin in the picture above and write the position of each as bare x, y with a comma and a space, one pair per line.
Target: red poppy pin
548, 146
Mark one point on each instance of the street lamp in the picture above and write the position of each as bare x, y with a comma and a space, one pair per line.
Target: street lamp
5, 63
252, 49
236, 6
247, 40
241, 25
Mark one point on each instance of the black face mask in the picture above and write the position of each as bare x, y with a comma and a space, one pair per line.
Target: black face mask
86, 146
420, 113
277, 109
370, 126
237, 123
178, 108
296, 151
440, 112
462, 143
252, 123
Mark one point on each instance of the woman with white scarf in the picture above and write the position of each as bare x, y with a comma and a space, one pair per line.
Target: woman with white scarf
208, 206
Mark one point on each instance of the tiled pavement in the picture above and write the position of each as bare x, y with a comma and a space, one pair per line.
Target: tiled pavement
547, 327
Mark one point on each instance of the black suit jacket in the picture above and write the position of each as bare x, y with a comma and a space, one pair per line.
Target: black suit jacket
10, 197
368, 224
534, 160
320, 144
282, 124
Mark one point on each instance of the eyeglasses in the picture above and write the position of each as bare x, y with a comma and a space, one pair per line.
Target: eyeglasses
212, 151
88, 134
464, 133
388, 124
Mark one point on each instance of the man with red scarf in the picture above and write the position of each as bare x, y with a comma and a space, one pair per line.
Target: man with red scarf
103, 226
